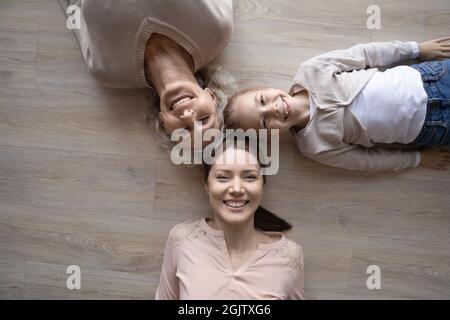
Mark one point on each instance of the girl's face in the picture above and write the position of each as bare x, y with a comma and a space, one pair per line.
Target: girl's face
234, 186
266, 109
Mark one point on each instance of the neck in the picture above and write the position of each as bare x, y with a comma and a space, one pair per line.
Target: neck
167, 62
302, 99
239, 238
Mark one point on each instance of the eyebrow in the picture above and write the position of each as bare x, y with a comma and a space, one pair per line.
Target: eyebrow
251, 171
245, 171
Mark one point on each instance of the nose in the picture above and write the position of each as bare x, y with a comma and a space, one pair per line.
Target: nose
272, 110
187, 116
275, 109
236, 188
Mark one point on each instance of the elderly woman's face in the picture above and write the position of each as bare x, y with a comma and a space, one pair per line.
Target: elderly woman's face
184, 104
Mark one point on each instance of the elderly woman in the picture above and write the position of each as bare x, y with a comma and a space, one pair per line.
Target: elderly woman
160, 44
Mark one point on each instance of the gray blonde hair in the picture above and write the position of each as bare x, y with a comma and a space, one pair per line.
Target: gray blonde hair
217, 79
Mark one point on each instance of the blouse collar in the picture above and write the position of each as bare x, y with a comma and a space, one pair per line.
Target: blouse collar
267, 246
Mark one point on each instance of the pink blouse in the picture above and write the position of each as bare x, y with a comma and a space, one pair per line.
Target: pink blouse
197, 266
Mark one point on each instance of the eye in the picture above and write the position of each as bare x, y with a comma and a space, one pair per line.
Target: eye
204, 119
262, 99
250, 178
264, 122
222, 178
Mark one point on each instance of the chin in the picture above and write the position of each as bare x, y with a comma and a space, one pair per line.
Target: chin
285, 129
235, 222
282, 129
235, 218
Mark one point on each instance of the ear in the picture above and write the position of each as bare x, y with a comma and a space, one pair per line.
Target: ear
212, 94
206, 189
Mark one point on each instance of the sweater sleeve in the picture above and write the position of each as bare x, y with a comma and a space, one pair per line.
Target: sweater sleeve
168, 283
354, 157
375, 54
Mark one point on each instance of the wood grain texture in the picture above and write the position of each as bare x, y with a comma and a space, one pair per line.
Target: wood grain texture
83, 181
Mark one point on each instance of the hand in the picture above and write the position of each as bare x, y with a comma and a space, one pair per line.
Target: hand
434, 49
435, 159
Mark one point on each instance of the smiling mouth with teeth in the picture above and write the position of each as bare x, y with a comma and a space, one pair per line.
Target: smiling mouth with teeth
235, 204
179, 102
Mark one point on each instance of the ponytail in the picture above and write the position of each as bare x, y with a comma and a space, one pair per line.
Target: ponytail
269, 221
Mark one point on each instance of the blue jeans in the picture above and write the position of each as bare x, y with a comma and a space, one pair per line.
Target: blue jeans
436, 81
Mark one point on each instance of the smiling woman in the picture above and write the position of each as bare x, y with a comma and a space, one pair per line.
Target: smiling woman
158, 44
235, 254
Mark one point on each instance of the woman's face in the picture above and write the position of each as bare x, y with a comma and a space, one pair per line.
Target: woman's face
234, 187
266, 109
182, 103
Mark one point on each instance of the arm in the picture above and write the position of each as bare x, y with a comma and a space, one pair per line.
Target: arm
435, 159
168, 283
325, 75
361, 56
298, 290
353, 157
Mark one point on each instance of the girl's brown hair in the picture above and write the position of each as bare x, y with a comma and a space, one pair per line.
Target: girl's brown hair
230, 120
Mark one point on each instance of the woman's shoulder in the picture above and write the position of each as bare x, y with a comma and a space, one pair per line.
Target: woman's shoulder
268, 237
187, 230
293, 253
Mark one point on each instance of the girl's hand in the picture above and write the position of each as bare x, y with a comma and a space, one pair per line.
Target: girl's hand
435, 159
434, 49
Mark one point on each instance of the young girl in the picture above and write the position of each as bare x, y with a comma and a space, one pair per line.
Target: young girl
241, 253
346, 113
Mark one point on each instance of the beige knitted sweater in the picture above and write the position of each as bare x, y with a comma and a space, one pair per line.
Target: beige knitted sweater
113, 34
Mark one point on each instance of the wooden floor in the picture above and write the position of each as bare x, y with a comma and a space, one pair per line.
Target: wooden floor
82, 181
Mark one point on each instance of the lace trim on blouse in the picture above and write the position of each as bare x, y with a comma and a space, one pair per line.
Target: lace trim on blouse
293, 253
187, 230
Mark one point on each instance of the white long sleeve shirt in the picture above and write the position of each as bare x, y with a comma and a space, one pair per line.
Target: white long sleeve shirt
391, 107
